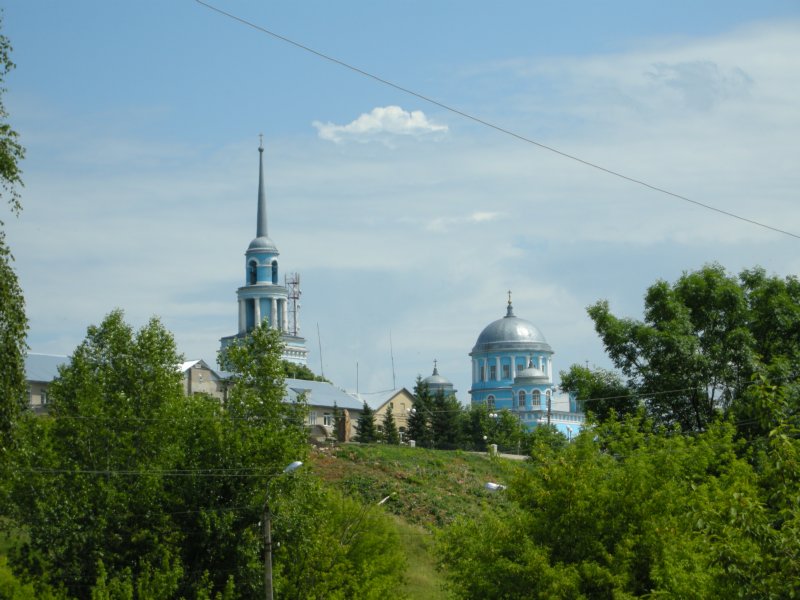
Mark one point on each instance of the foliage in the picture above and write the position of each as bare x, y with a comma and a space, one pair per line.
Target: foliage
445, 421
11, 588
296, 371
11, 151
129, 485
701, 341
367, 432
331, 546
13, 322
390, 434
13, 327
599, 392
544, 442
629, 510
419, 420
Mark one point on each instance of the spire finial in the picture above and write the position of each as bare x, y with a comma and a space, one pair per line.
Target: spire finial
435, 369
510, 309
261, 219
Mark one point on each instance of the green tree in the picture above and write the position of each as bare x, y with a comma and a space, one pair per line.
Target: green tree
630, 511
129, 485
701, 341
13, 322
367, 432
446, 421
419, 420
544, 441
89, 483
296, 371
390, 433
331, 546
599, 391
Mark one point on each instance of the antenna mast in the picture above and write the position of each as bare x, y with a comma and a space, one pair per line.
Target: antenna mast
391, 353
293, 288
319, 340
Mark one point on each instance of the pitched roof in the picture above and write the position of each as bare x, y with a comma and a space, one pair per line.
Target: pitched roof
43, 367
321, 393
375, 400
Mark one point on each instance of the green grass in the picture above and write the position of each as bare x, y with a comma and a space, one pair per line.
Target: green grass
423, 580
429, 489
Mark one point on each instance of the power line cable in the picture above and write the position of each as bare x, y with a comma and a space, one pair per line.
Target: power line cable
491, 125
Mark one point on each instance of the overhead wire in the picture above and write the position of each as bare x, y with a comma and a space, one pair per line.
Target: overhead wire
491, 125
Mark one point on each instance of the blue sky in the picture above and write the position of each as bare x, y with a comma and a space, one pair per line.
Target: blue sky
141, 122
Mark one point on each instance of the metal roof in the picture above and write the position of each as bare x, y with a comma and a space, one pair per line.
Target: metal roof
43, 367
321, 393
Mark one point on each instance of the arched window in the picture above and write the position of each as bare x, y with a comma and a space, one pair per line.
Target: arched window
522, 398
536, 398
490, 402
275, 272
252, 272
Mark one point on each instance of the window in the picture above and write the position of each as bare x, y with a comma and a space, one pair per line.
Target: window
536, 398
312, 417
506, 371
44, 396
490, 402
402, 407
252, 272
522, 398
492, 372
275, 272
327, 419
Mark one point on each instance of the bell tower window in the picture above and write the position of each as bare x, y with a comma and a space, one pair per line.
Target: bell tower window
275, 272
252, 272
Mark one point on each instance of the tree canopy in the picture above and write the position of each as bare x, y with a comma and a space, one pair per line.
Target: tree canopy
13, 321
599, 391
702, 340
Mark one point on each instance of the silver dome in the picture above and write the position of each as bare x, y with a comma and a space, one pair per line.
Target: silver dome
511, 333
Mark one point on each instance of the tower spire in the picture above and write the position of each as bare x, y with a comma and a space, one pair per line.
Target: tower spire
261, 224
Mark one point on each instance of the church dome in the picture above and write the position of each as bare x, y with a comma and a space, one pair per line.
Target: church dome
530, 374
436, 380
262, 243
511, 333
436, 383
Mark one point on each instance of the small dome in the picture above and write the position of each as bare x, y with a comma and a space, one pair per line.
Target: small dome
263, 243
436, 380
511, 333
529, 374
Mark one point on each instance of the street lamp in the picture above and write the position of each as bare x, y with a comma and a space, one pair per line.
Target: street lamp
569, 431
293, 466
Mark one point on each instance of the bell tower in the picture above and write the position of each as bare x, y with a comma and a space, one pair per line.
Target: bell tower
263, 300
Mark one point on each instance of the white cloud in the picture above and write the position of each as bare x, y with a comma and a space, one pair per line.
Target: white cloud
381, 124
445, 223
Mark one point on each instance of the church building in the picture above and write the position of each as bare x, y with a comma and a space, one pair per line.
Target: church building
262, 298
512, 369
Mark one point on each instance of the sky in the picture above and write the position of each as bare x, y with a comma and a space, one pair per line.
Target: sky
407, 222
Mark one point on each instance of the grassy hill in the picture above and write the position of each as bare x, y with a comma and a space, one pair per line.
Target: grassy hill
427, 490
